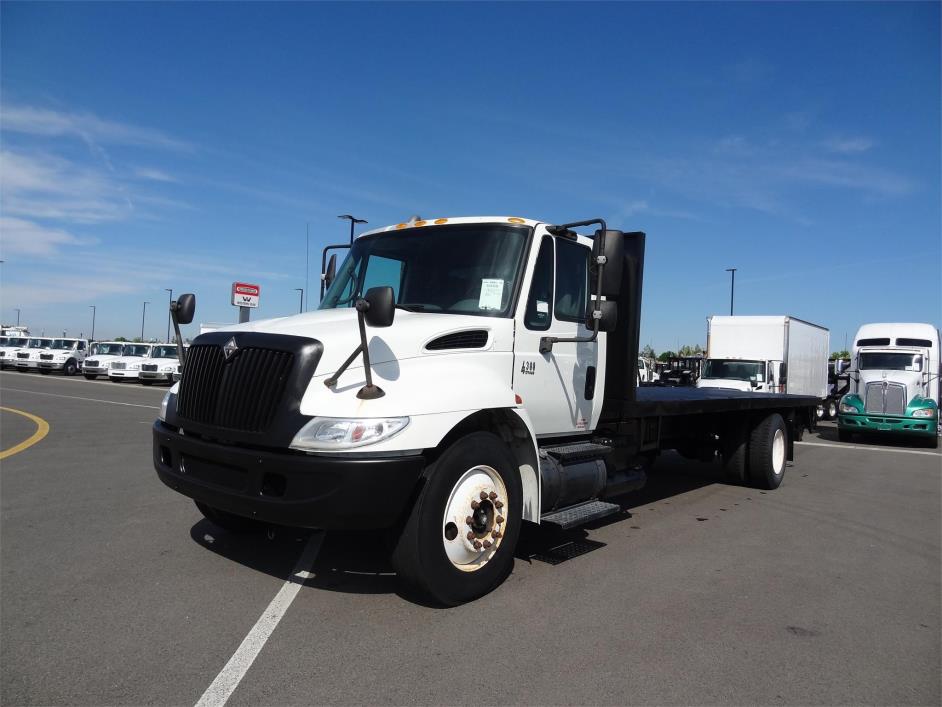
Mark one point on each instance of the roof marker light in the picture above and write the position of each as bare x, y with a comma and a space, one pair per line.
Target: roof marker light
420, 223
514, 219
440, 221
401, 225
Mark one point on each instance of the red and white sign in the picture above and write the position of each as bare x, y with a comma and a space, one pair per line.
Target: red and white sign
245, 294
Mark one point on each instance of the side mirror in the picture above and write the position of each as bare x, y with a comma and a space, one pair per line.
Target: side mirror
331, 272
381, 309
614, 252
184, 307
609, 318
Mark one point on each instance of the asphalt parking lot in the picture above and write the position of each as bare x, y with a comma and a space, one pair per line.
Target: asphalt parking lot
114, 590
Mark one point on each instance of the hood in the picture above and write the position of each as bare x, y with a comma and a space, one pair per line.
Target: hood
103, 357
160, 361
124, 359
337, 330
728, 383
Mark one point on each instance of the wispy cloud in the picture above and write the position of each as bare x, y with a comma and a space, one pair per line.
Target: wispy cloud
31, 120
155, 175
848, 145
21, 237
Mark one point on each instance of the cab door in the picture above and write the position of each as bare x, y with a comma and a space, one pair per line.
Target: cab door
558, 388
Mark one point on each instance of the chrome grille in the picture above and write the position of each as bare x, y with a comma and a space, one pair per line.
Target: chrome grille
45, 357
885, 398
119, 365
91, 363
22, 355
149, 367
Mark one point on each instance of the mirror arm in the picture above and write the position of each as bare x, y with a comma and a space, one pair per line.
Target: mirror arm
176, 328
369, 391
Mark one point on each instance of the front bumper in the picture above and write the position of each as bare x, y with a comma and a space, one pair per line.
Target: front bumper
95, 370
124, 374
287, 487
25, 363
890, 424
52, 365
156, 376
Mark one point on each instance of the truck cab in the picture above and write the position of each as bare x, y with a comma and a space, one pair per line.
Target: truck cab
64, 355
160, 365
742, 374
9, 345
894, 388
128, 365
27, 358
102, 354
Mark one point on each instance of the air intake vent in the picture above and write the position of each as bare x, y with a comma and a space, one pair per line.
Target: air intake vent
471, 339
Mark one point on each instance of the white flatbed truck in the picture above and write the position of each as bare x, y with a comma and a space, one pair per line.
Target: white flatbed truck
461, 377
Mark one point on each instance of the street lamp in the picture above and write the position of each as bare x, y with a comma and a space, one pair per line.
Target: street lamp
732, 287
301, 306
170, 290
143, 314
94, 311
353, 221
17, 316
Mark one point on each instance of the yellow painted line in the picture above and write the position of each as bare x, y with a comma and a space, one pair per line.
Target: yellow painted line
42, 429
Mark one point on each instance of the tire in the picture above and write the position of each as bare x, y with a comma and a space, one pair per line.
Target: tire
44, 371
768, 452
832, 410
933, 442
434, 554
147, 382
228, 521
70, 368
89, 376
735, 453
844, 435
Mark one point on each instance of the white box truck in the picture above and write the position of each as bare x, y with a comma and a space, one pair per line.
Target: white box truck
770, 354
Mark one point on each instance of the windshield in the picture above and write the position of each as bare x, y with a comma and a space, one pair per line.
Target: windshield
164, 352
460, 269
108, 349
734, 369
63, 344
890, 361
39, 343
139, 350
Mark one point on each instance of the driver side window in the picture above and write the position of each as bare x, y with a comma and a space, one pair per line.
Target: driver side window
539, 312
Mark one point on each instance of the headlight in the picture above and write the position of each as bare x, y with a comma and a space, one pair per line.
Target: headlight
924, 412
331, 433
165, 403
849, 409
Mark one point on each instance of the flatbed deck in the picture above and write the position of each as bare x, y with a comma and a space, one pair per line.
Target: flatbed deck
668, 401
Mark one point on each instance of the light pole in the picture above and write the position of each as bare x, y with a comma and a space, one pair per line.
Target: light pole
732, 288
170, 290
143, 314
307, 262
17, 316
94, 311
300, 306
353, 221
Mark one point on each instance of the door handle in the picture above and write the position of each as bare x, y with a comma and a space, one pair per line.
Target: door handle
590, 383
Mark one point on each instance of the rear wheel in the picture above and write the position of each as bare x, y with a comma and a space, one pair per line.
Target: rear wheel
459, 540
768, 451
228, 521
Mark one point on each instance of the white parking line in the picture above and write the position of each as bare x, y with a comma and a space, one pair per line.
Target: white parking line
82, 380
76, 397
869, 449
231, 675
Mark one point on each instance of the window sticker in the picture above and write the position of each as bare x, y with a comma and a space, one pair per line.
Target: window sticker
542, 307
492, 292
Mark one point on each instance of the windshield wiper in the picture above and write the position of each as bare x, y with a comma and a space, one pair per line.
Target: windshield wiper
412, 307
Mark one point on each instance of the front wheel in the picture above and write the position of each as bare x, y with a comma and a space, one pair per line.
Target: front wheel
70, 368
459, 540
146, 382
90, 377
768, 451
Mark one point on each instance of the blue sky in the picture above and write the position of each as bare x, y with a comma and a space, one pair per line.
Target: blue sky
184, 146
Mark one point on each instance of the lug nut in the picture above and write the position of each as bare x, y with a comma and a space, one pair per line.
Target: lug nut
474, 505
477, 544
483, 495
500, 519
492, 495
495, 534
487, 544
470, 535
469, 520
498, 504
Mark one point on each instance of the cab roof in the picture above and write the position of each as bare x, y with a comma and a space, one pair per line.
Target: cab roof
419, 223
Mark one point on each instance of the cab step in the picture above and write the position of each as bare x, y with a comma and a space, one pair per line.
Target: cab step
580, 514
578, 452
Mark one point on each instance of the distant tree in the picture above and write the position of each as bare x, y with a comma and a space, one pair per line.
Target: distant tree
120, 338
841, 354
137, 340
648, 352
666, 356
